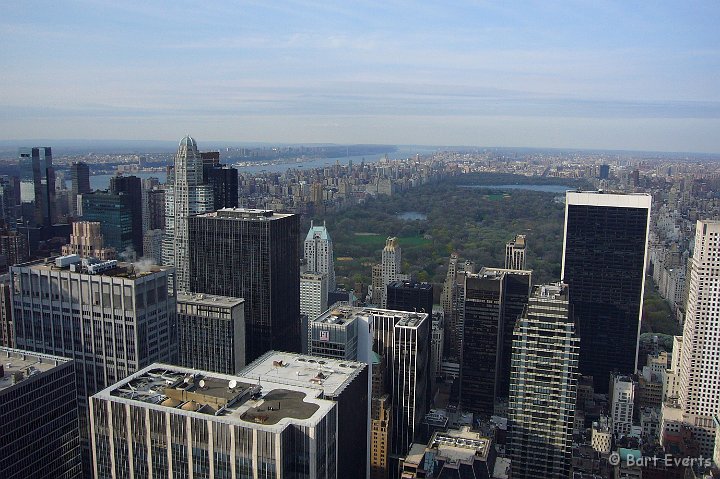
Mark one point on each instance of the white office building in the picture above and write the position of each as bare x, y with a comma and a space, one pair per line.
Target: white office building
699, 395
313, 294
622, 400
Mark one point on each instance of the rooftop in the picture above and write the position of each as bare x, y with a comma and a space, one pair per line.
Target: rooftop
603, 198
17, 365
554, 291
327, 374
461, 445
245, 214
317, 232
73, 263
407, 284
340, 315
228, 398
209, 299
518, 242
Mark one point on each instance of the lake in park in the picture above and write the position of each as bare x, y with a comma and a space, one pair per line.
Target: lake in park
411, 216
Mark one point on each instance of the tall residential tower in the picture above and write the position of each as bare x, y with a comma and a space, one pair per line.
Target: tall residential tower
185, 195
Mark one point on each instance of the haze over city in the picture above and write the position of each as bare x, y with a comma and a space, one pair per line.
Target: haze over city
608, 75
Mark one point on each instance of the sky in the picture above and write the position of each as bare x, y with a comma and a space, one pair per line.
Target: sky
629, 75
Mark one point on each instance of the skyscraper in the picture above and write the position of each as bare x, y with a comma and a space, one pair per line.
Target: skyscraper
318, 249
185, 195
515, 253
80, 176
604, 250
251, 254
390, 267
87, 241
700, 353
39, 435
217, 425
494, 300
111, 318
543, 386
313, 294
114, 213
222, 180
211, 332
410, 296
132, 187
36, 165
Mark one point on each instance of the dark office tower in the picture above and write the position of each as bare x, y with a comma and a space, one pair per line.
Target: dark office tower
39, 435
8, 205
543, 389
115, 216
410, 296
80, 174
36, 165
132, 187
494, 299
222, 179
604, 172
156, 209
251, 254
604, 252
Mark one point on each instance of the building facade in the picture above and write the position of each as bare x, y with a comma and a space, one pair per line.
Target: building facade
111, 318
622, 403
80, 183
185, 195
313, 294
36, 165
39, 435
604, 261
318, 248
114, 214
409, 295
211, 332
543, 386
87, 241
699, 375
494, 300
334, 334
131, 186
251, 254
168, 421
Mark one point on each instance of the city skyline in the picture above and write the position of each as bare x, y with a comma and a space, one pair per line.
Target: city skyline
607, 76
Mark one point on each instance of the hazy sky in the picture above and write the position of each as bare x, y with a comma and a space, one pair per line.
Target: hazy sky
586, 74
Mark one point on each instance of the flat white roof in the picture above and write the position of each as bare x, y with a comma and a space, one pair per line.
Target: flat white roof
330, 375
601, 198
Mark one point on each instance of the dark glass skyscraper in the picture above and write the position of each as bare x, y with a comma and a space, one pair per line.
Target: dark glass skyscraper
251, 254
494, 299
132, 187
80, 175
115, 216
222, 179
604, 252
410, 296
36, 165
